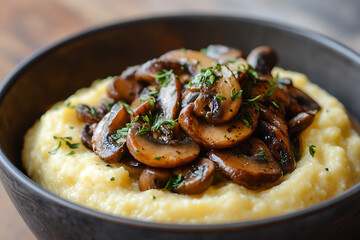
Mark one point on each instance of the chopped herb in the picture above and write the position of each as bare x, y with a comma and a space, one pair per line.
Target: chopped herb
108, 105
282, 164
71, 127
261, 153
144, 130
327, 169
52, 152
71, 153
312, 150
137, 151
164, 77
124, 131
153, 197
232, 60
250, 70
177, 104
206, 76
72, 145
183, 50
207, 115
158, 158
221, 97
120, 143
197, 62
174, 182
108, 165
71, 106
275, 104
151, 100
247, 120
251, 101
234, 95
173, 92
62, 138
217, 66
271, 90
146, 119
169, 122
112, 179
154, 93
204, 51
93, 111
127, 106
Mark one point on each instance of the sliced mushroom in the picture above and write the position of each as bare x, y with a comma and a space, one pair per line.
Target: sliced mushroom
125, 87
189, 97
169, 98
217, 103
253, 169
148, 71
223, 53
193, 59
156, 153
87, 114
263, 59
196, 178
142, 106
86, 134
300, 122
220, 136
278, 144
153, 178
300, 97
103, 144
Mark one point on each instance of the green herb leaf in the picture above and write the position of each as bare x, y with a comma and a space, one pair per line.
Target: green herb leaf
153, 197
112, 179
93, 111
183, 50
312, 150
174, 182
158, 158
71, 153
247, 120
275, 104
108, 165
163, 77
206, 76
52, 152
137, 151
221, 97
271, 90
327, 169
173, 92
234, 95
69, 105
144, 130
127, 106
72, 145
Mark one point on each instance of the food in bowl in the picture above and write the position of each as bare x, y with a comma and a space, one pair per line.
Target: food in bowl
197, 137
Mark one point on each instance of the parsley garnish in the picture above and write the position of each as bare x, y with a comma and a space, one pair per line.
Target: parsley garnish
127, 106
108, 165
52, 152
327, 169
124, 131
298, 155
158, 158
93, 111
71, 106
144, 130
247, 120
183, 50
206, 76
221, 97
261, 153
312, 150
137, 151
275, 104
71, 153
250, 70
173, 92
153, 197
112, 179
271, 90
163, 77
234, 95
174, 182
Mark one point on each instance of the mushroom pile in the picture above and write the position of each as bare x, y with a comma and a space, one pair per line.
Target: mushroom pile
190, 119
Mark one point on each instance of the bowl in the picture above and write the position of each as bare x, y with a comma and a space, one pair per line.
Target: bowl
57, 71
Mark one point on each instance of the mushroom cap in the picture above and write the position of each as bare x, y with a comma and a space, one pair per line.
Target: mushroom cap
153, 178
226, 135
216, 102
263, 59
169, 97
223, 53
197, 178
103, 144
156, 153
250, 169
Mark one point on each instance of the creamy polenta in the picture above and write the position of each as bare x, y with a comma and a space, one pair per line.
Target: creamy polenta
77, 174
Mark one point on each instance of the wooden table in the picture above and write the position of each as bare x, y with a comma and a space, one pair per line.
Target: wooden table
26, 26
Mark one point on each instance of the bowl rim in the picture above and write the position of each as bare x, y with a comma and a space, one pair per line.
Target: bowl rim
7, 165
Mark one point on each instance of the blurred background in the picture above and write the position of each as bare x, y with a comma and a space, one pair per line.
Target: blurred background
28, 25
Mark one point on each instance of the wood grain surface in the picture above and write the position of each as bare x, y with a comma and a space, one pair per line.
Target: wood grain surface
26, 26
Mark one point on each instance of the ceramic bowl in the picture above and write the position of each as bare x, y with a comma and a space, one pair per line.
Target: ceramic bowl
57, 71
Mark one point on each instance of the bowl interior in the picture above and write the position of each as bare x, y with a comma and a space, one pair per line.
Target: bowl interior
57, 72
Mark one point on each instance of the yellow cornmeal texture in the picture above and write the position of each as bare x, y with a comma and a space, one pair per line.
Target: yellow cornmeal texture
85, 179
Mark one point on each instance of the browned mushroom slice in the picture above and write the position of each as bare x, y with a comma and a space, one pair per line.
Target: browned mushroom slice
300, 97
148, 71
87, 114
278, 144
220, 102
300, 122
263, 59
169, 98
196, 178
194, 59
156, 153
153, 178
223, 53
125, 87
189, 97
86, 134
141, 106
255, 169
103, 144
220, 136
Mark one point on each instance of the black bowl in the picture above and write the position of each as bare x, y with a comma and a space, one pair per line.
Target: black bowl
56, 72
